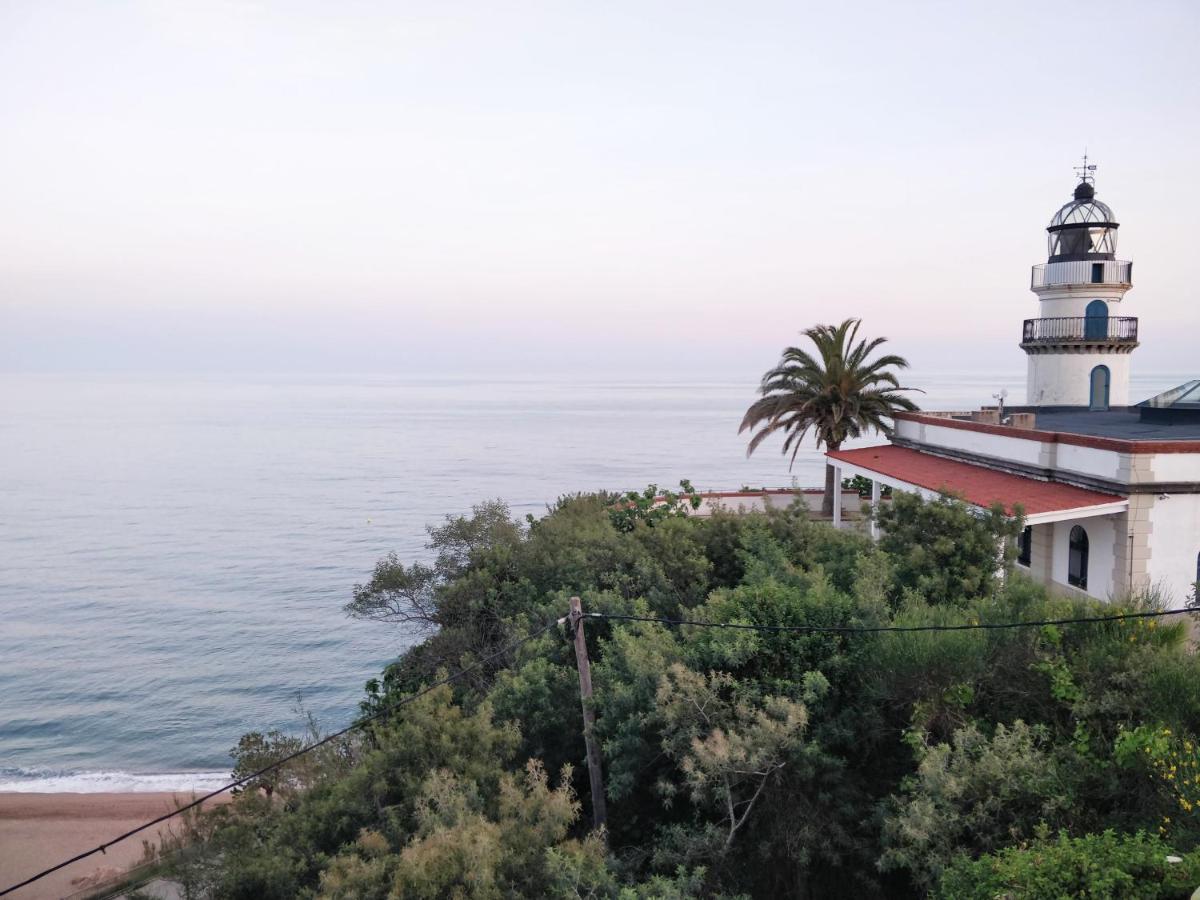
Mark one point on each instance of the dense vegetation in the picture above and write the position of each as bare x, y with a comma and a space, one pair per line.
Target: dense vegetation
1049, 761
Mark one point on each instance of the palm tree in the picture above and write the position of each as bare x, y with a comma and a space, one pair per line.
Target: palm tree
836, 393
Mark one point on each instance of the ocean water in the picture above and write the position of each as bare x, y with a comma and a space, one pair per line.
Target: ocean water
175, 553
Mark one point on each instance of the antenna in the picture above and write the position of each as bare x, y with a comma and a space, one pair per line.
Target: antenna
1002, 396
1086, 172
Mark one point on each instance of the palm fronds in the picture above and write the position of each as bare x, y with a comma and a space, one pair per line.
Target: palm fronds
834, 393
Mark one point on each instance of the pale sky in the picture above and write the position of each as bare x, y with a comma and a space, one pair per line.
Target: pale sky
449, 187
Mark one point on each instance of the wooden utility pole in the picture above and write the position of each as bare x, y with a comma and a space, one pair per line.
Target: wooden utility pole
599, 812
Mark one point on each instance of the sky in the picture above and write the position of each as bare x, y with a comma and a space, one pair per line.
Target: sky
591, 188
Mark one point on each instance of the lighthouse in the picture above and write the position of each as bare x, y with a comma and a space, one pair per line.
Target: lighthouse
1079, 346
1109, 493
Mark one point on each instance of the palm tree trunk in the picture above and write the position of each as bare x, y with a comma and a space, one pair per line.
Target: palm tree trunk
830, 485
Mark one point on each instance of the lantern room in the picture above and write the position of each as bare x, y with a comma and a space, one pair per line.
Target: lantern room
1083, 229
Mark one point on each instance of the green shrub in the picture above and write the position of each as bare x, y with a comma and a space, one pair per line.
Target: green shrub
944, 552
1096, 866
975, 793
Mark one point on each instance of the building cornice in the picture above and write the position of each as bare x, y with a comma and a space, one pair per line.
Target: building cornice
1042, 473
1046, 347
1054, 437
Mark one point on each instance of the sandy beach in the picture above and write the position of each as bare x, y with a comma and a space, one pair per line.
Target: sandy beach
39, 830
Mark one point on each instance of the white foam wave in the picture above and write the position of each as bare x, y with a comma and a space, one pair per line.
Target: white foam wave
48, 781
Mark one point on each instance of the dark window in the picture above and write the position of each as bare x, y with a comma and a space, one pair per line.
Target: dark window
1097, 273
1077, 560
1025, 546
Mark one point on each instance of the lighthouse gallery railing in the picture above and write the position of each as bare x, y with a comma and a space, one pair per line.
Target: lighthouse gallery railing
1119, 329
1108, 271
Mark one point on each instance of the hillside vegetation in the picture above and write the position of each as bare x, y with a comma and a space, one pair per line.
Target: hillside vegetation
1048, 761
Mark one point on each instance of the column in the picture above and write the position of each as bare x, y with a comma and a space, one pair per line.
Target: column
837, 496
876, 494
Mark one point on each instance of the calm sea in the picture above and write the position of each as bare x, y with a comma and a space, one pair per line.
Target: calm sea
175, 553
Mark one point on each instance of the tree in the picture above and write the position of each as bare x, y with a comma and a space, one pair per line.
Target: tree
408, 595
945, 550
468, 845
398, 593
256, 750
838, 393
728, 748
651, 507
975, 793
1107, 865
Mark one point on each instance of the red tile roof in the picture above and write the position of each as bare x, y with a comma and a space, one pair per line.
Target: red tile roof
975, 484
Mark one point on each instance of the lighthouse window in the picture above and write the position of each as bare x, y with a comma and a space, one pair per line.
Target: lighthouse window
1077, 559
1097, 273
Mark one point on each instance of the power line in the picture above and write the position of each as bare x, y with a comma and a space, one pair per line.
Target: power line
876, 629
102, 848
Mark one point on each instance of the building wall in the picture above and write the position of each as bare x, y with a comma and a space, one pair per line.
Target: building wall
1088, 461
1174, 542
1064, 379
1023, 446
1102, 535
760, 501
1073, 301
1175, 467
995, 445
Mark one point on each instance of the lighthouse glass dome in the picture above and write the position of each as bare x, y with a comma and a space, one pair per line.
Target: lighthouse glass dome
1083, 229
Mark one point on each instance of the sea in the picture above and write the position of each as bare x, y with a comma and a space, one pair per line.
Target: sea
175, 552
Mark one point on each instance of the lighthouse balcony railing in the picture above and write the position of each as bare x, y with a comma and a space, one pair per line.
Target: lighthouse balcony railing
1081, 329
1105, 271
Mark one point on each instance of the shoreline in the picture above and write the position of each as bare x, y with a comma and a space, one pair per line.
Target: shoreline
109, 781
39, 830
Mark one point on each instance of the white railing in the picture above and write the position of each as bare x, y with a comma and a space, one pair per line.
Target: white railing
1085, 271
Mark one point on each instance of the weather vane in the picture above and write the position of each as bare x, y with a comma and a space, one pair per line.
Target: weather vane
1085, 172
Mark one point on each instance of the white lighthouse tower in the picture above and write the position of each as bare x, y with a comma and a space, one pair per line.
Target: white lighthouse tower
1079, 347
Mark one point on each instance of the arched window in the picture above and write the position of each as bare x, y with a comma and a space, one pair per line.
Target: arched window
1077, 559
1025, 546
1099, 389
1095, 322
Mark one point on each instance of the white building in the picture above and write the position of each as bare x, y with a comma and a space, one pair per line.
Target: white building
1110, 492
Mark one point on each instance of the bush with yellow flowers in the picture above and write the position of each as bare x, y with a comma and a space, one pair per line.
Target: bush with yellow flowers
1173, 760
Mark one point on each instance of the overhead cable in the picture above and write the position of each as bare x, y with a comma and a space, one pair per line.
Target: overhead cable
880, 629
